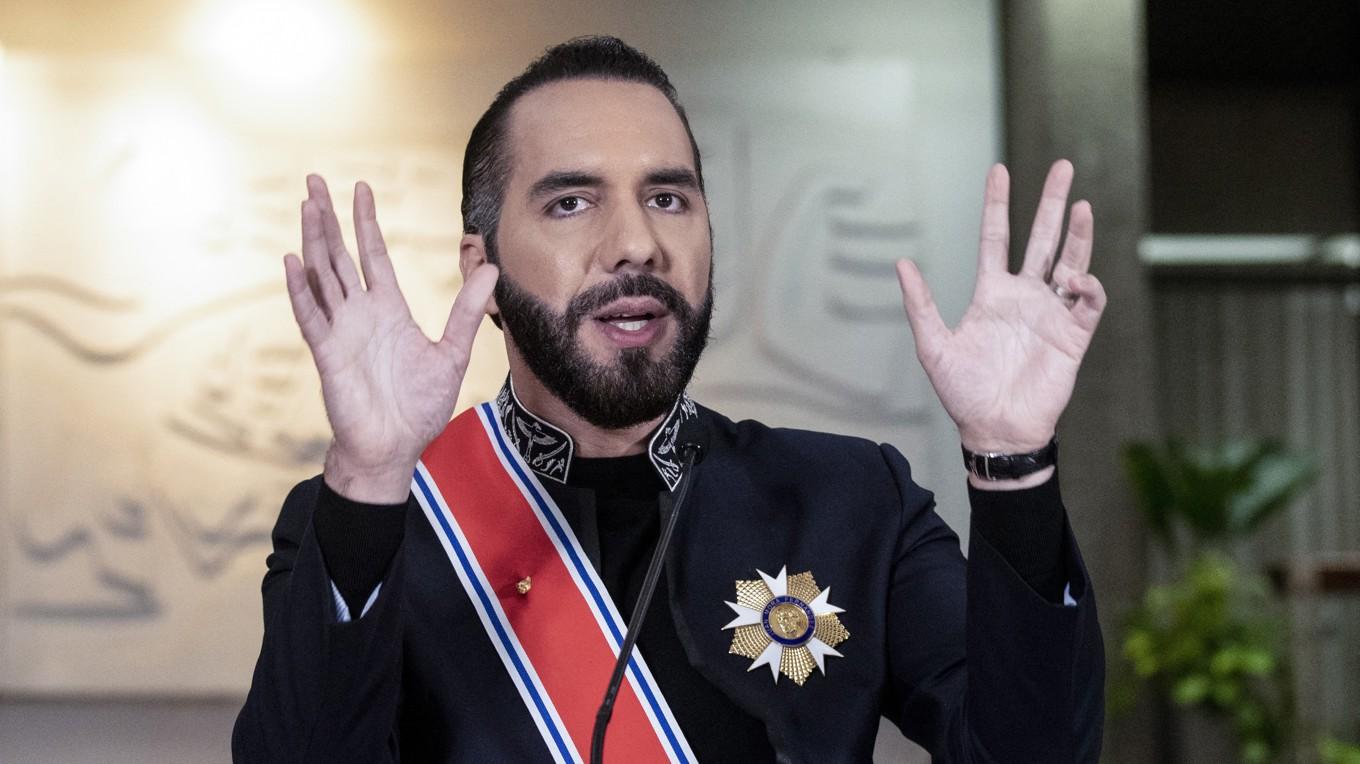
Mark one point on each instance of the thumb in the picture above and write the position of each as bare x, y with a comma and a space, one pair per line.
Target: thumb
926, 325
469, 307
1091, 300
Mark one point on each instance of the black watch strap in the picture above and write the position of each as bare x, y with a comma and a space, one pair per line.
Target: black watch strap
993, 466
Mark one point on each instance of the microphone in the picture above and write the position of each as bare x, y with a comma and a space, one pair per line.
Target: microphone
692, 453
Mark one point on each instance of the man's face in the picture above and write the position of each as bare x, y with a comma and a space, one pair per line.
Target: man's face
604, 248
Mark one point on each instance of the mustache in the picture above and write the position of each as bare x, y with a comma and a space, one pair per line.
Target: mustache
627, 285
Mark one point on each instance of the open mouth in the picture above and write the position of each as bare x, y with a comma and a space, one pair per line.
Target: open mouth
632, 321
628, 323
630, 313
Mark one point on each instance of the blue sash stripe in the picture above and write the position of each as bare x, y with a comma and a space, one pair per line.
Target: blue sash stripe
512, 458
568, 754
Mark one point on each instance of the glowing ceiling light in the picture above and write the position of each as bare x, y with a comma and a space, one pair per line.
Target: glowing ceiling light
279, 45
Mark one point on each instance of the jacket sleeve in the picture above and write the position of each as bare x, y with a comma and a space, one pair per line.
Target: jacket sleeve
983, 668
322, 691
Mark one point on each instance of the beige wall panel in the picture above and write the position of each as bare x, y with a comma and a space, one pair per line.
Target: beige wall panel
156, 402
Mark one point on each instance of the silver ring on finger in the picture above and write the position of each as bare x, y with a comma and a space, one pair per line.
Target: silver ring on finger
1064, 294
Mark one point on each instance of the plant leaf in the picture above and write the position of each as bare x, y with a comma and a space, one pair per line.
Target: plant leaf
1277, 478
1151, 487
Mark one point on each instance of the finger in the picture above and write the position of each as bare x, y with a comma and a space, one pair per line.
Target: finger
1090, 304
306, 312
995, 240
926, 325
317, 259
1048, 218
1076, 254
469, 307
378, 273
335, 239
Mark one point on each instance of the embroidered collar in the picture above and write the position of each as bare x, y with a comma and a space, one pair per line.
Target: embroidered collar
548, 449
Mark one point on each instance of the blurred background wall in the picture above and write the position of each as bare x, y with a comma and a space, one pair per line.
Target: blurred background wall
156, 401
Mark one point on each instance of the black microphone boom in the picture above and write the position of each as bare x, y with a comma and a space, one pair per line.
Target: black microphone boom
693, 453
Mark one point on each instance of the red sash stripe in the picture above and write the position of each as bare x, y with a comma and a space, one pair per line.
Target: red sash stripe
559, 640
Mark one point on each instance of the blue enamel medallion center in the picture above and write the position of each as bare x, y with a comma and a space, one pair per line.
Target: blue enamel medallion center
788, 620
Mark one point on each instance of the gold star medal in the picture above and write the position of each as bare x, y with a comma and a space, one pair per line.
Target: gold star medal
787, 623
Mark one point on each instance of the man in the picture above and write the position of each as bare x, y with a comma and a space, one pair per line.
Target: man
472, 613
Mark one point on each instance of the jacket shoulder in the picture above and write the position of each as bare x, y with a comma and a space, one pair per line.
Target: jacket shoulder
801, 454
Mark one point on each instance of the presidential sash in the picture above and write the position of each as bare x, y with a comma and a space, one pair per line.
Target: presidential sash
539, 598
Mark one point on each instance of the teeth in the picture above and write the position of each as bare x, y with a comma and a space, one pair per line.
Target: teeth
629, 326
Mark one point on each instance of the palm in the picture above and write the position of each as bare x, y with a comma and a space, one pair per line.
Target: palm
384, 383
389, 390
1007, 371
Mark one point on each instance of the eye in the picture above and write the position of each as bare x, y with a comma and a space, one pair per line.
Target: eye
568, 206
668, 202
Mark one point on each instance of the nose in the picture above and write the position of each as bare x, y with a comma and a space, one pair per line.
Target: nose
632, 242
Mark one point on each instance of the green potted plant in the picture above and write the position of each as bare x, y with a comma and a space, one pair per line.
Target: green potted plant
1207, 640
1334, 751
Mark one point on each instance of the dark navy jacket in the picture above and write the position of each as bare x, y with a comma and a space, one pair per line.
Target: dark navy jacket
966, 658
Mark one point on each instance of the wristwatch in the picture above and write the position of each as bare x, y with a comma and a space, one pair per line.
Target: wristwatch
994, 466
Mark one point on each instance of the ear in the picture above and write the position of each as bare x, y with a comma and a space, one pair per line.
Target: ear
471, 255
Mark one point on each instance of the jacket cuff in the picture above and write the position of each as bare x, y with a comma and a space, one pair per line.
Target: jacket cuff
1026, 527
357, 542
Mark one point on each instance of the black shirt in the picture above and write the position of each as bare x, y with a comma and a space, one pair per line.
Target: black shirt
622, 497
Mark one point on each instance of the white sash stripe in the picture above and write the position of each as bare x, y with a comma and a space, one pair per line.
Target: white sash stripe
586, 578
494, 620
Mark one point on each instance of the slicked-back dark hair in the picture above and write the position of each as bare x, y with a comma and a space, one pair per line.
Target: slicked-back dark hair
487, 161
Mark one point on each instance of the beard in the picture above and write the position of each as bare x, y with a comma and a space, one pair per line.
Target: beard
631, 388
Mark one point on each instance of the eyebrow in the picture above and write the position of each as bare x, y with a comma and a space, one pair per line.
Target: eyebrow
560, 180
673, 176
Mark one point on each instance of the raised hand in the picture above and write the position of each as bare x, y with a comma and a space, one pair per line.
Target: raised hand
1007, 371
388, 389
